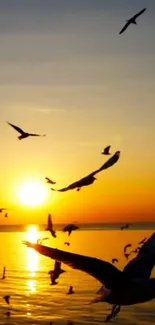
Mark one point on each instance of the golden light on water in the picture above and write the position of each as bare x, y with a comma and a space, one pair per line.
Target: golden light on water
32, 256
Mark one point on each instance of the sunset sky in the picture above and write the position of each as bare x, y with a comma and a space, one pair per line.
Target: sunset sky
65, 71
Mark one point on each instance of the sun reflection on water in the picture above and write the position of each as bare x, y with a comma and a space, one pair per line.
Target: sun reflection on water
32, 257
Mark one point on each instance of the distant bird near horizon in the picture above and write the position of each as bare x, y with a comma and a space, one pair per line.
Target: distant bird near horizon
132, 21
131, 286
89, 179
70, 291
25, 134
127, 246
50, 226
4, 272
69, 228
125, 226
49, 181
106, 151
114, 260
54, 274
6, 215
7, 299
67, 243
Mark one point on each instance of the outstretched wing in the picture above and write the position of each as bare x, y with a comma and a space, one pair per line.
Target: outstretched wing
141, 266
70, 187
36, 135
125, 27
109, 163
106, 150
139, 13
16, 128
49, 180
103, 271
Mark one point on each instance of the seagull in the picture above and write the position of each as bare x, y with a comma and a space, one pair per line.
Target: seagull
142, 241
70, 291
7, 299
50, 226
39, 240
24, 134
132, 286
127, 246
67, 243
132, 21
2, 209
54, 274
125, 226
4, 272
69, 228
106, 151
89, 179
49, 181
114, 260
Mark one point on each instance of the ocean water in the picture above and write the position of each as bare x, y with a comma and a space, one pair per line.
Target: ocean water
34, 301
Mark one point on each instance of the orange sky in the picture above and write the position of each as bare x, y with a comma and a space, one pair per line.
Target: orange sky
70, 74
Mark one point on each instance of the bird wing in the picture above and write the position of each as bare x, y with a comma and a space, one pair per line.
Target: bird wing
16, 128
50, 181
35, 135
109, 163
71, 186
103, 271
125, 27
107, 149
139, 13
50, 226
141, 266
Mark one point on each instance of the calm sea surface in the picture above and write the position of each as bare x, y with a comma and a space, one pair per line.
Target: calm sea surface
34, 301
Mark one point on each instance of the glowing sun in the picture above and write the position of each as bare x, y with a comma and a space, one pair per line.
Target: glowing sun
32, 193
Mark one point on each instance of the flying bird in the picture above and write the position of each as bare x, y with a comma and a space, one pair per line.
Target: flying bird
54, 274
7, 299
125, 226
127, 246
69, 228
4, 272
106, 151
49, 181
129, 287
127, 255
114, 260
70, 291
50, 226
67, 243
131, 21
24, 134
39, 240
89, 179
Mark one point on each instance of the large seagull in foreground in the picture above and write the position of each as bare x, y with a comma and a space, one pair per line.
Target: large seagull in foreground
132, 21
24, 134
89, 179
128, 287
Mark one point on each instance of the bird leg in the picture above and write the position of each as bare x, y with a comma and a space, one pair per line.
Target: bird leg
114, 312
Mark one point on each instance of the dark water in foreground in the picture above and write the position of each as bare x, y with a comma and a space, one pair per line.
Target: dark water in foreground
34, 301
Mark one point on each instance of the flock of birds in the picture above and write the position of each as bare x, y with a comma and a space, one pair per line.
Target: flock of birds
134, 280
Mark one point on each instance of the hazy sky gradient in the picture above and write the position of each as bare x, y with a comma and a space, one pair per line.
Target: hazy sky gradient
66, 72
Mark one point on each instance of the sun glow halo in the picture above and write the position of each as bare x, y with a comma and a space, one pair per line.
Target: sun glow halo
32, 193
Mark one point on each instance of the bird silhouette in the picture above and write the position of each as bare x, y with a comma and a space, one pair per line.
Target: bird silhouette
49, 181
50, 226
132, 21
114, 260
67, 243
69, 228
89, 179
127, 246
125, 226
7, 299
24, 134
6, 215
70, 291
54, 274
2, 209
126, 255
129, 287
4, 272
106, 151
